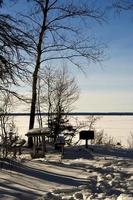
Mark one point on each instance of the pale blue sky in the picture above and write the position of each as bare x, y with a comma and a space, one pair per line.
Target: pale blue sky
109, 86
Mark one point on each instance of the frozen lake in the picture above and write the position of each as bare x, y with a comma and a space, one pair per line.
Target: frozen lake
118, 127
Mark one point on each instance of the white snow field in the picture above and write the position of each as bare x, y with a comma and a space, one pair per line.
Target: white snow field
98, 173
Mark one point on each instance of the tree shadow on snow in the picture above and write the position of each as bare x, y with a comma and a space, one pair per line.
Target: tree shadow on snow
43, 175
8, 190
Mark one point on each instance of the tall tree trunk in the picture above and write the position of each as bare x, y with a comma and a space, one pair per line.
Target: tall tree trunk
40, 122
37, 67
34, 96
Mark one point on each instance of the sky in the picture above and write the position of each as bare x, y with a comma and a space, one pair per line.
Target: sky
107, 86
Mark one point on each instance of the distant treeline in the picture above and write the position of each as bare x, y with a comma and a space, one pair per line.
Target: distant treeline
75, 114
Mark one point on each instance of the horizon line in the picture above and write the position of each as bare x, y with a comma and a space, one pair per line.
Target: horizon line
73, 113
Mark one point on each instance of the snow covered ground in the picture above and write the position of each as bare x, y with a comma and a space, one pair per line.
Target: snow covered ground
98, 173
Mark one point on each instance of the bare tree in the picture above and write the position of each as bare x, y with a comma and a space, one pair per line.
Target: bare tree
5, 105
58, 93
56, 28
13, 44
6, 122
10, 141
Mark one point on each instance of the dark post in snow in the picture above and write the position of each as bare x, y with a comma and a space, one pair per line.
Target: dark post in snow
86, 135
